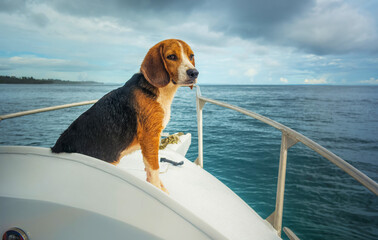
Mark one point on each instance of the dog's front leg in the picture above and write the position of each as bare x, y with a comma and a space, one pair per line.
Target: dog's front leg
153, 177
149, 143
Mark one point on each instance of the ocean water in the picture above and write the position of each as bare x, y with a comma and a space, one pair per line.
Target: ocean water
321, 201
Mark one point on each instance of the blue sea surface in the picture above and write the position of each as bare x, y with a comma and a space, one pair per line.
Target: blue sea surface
321, 201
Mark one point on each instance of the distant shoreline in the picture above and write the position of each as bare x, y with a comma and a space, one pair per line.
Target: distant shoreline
31, 80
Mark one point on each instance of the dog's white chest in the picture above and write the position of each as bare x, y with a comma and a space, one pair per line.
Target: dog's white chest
165, 99
167, 114
166, 106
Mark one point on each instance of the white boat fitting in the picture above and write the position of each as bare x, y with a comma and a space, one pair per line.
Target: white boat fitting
73, 196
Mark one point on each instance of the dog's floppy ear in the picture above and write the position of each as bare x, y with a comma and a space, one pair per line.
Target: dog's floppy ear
153, 67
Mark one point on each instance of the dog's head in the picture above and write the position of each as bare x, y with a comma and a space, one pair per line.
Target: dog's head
168, 61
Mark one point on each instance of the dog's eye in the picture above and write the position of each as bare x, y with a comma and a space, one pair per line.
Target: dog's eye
191, 57
172, 57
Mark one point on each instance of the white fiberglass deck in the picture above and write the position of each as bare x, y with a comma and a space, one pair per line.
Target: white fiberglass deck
76, 194
205, 196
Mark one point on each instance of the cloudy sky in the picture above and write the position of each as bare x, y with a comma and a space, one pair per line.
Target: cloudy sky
234, 41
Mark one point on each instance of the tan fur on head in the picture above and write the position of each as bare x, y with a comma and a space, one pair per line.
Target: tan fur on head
168, 61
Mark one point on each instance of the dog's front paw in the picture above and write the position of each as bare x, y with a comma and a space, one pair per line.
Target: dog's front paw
158, 184
153, 178
163, 188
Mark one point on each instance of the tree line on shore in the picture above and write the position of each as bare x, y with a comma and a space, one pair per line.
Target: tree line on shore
31, 80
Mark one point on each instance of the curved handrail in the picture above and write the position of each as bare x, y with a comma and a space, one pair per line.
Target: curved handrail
39, 110
289, 139
352, 171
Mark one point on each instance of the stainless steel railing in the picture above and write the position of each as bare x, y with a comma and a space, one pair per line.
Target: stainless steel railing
289, 139
39, 110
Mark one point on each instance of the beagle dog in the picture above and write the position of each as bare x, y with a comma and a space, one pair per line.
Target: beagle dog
133, 116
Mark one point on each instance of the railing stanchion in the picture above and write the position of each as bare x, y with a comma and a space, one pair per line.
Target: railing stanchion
276, 217
286, 143
199, 103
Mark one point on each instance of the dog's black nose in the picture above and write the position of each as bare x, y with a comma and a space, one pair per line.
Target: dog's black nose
192, 73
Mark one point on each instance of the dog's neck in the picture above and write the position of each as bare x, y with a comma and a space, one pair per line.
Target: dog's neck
165, 98
167, 93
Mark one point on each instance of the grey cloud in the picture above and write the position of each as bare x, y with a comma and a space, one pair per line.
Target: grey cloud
332, 28
319, 27
39, 19
256, 18
34, 62
146, 17
11, 6
126, 9
21, 7
244, 18
322, 27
